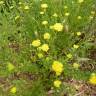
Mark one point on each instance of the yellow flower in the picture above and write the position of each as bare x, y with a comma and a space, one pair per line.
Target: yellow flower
44, 6
75, 46
45, 47
36, 43
78, 33
20, 3
57, 27
92, 79
76, 65
57, 67
46, 36
44, 22
65, 7
67, 14
42, 13
26, 7
55, 15
57, 83
40, 55
79, 17
10, 67
13, 90
80, 1
69, 55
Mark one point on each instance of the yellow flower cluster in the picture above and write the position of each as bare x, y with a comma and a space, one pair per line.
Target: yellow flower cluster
92, 79
57, 67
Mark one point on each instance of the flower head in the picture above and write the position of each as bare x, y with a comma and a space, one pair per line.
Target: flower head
26, 7
92, 79
69, 55
80, 1
44, 22
41, 12
36, 43
67, 14
45, 47
57, 83
79, 17
10, 67
78, 33
13, 90
44, 6
65, 7
57, 27
57, 67
46, 36
75, 46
